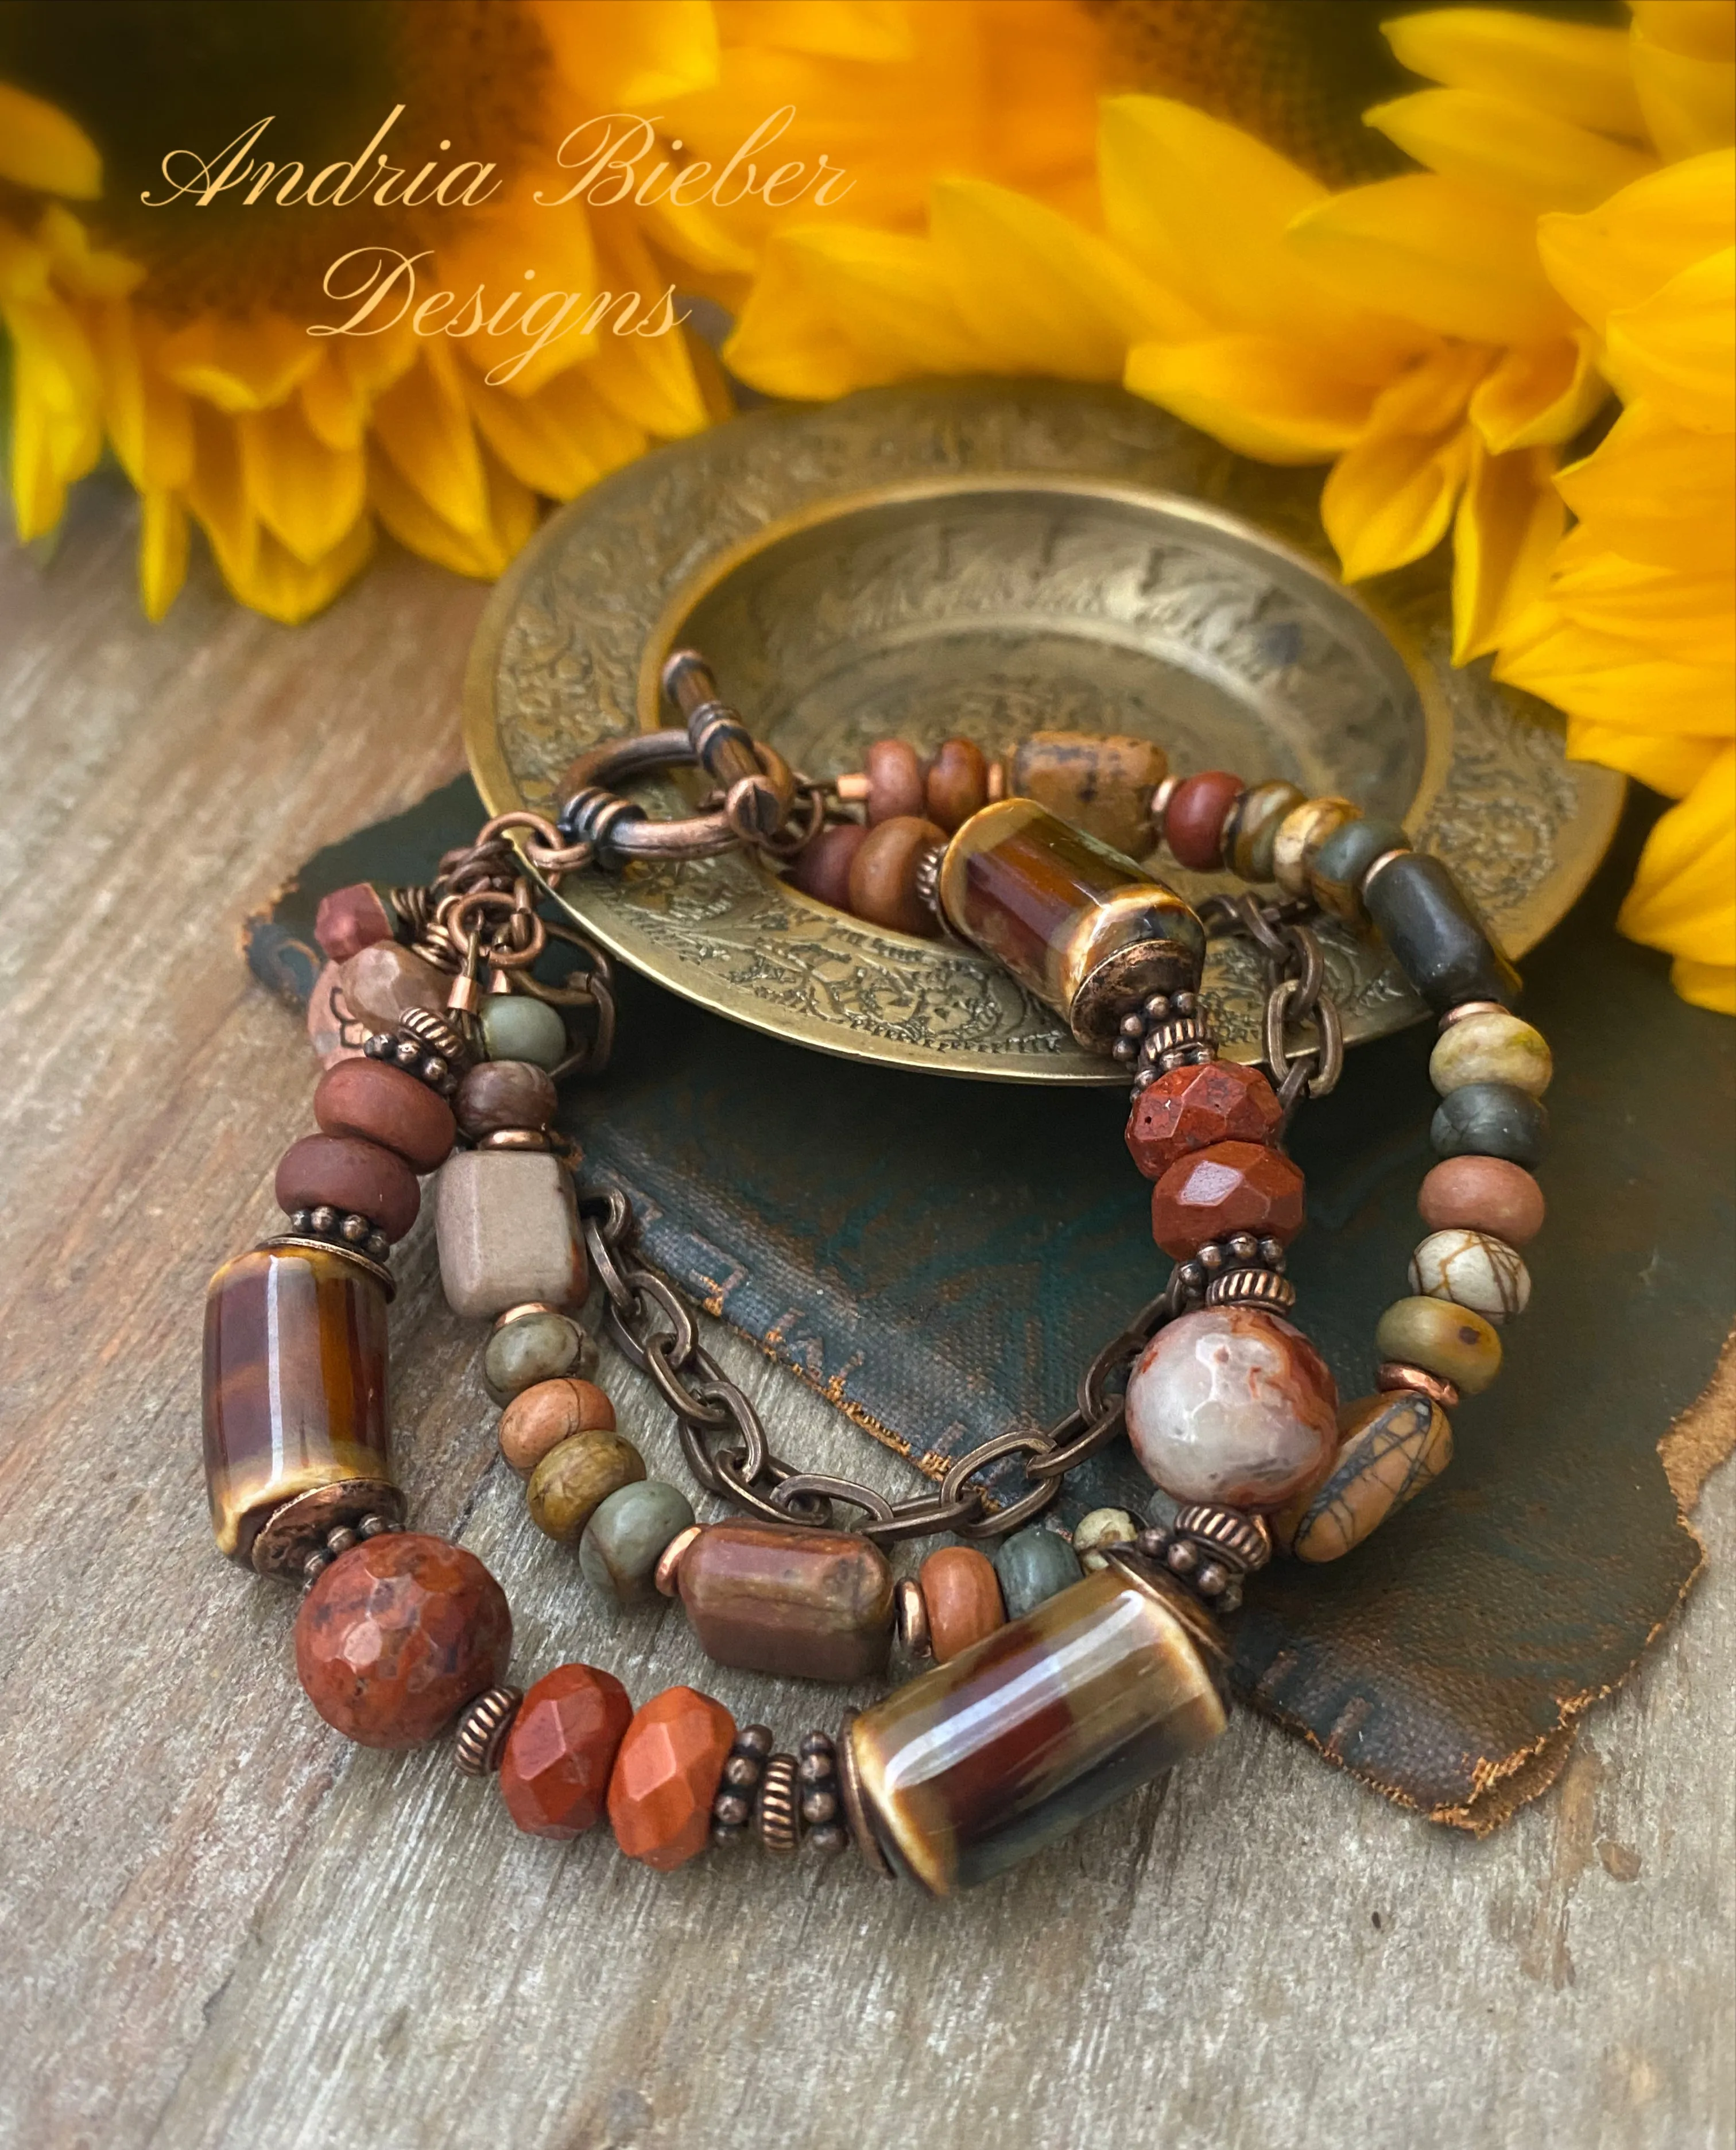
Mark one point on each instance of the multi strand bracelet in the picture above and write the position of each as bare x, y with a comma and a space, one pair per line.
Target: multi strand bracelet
1065, 1673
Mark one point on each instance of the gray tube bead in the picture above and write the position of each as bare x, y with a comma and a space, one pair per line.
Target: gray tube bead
1491, 1119
1434, 936
1033, 1566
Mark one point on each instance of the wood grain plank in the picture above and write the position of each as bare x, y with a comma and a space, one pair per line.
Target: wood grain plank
224, 1927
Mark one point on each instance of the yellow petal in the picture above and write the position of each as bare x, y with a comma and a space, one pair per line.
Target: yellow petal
1607, 681
620, 55
1389, 500
1684, 897
1679, 347
240, 364
555, 441
82, 270
1658, 493
649, 378
483, 552
1448, 257
1689, 104
41, 148
149, 420
332, 406
1683, 615
1509, 150
289, 590
1623, 251
304, 492
57, 432
1258, 394
1568, 70
1540, 396
1703, 29
163, 527
23, 265
1430, 396
217, 494
1711, 985
423, 425
838, 29
1509, 522
1663, 761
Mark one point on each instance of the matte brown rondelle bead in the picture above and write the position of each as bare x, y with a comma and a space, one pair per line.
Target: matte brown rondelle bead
894, 781
1232, 1186
957, 783
378, 1103
1194, 825
962, 1594
505, 1094
1482, 1194
823, 870
355, 1177
883, 876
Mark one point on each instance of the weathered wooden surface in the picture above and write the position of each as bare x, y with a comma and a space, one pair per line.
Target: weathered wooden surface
222, 1925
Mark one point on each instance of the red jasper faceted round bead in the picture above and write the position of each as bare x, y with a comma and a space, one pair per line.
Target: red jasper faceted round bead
1190, 1108
1193, 823
348, 1174
397, 1635
554, 1774
350, 920
376, 1104
1232, 1186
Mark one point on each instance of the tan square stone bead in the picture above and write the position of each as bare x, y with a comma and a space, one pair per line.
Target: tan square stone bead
508, 1228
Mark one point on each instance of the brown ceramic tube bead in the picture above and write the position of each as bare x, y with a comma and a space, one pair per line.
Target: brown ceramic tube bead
957, 783
351, 919
541, 1417
378, 1103
505, 1094
823, 870
1193, 824
883, 876
895, 784
809, 1604
358, 1177
1482, 1194
962, 1594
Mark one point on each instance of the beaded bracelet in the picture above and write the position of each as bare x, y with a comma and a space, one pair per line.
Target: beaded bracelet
1065, 1674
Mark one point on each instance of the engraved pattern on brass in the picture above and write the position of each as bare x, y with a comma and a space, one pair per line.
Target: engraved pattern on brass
991, 561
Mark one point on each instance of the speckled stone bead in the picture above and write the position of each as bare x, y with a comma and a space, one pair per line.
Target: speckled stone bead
1232, 1186
1232, 1404
340, 1172
1193, 823
1100, 1527
1336, 879
625, 1539
1392, 1447
504, 1093
507, 1228
578, 1475
536, 1346
372, 1103
1473, 1269
1442, 1339
1300, 836
1433, 933
382, 982
519, 1027
666, 1776
1097, 782
1261, 815
1490, 1048
962, 1593
1033, 1565
1491, 1119
555, 1769
541, 1418
1191, 1108
1483, 1194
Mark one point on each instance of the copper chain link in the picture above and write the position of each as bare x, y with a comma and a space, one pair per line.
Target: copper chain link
1295, 980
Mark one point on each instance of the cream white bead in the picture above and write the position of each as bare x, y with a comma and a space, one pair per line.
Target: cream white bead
1473, 1269
1491, 1047
1102, 1526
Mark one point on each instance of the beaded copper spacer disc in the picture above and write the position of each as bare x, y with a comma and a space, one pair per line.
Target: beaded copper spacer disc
1251, 1287
775, 1814
1240, 1540
483, 1731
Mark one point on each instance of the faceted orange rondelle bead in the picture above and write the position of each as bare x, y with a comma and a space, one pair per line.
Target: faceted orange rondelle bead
397, 1635
1190, 1108
1232, 1186
666, 1776
554, 1774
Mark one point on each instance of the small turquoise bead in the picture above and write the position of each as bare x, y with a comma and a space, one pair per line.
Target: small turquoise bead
1033, 1565
625, 1539
1491, 1119
517, 1027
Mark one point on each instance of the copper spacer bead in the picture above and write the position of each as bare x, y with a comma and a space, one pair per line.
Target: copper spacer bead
483, 1730
1236, 1538
776, 1815
1469, 1008
514, 1138
1394, 1374
912, 1610
1380, 864
1159, 807
666, 1573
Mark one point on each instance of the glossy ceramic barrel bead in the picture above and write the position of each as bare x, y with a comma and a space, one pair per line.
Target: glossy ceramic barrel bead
538, 1346
1336, 879
295, 1385
519, 1026
508, 1228
1391, 1447
340, 1172
1473, 1270
1431, 929
1193, 823
666, 1776
376, 1103
1192, 1108
1491, 1119
1448, 1341
625, 1538
1080, 926
957, 785
1032, 1566
1232, 1186
571, 1482
397, 1635
555, 1769
1483, 1194
1100, 783
961, 1596
539, 1419
1491, 1047
496, 1094
981, 1762
1232, 1404
807, 1604
1253, 840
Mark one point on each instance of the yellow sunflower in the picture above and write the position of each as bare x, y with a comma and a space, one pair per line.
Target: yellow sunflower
178, 333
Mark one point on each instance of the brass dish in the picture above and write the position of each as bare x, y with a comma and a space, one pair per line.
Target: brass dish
990, 559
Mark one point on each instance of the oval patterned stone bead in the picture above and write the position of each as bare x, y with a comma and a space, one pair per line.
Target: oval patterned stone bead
1192, 1108
573, 1479
1451, 1341
1100, 783
808, 1604
1234, 1406
1491, 1047
1473, 1269
295, 1385
973, 1767
666, 1776
555, 1771
1232, 1186
1393, 1446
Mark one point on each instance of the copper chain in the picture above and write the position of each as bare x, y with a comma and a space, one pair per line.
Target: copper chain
1295, 980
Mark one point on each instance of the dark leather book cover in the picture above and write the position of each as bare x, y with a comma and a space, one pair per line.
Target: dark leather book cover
940, 1259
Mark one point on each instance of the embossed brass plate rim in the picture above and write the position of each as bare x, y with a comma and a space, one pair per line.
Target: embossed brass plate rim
567, 655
